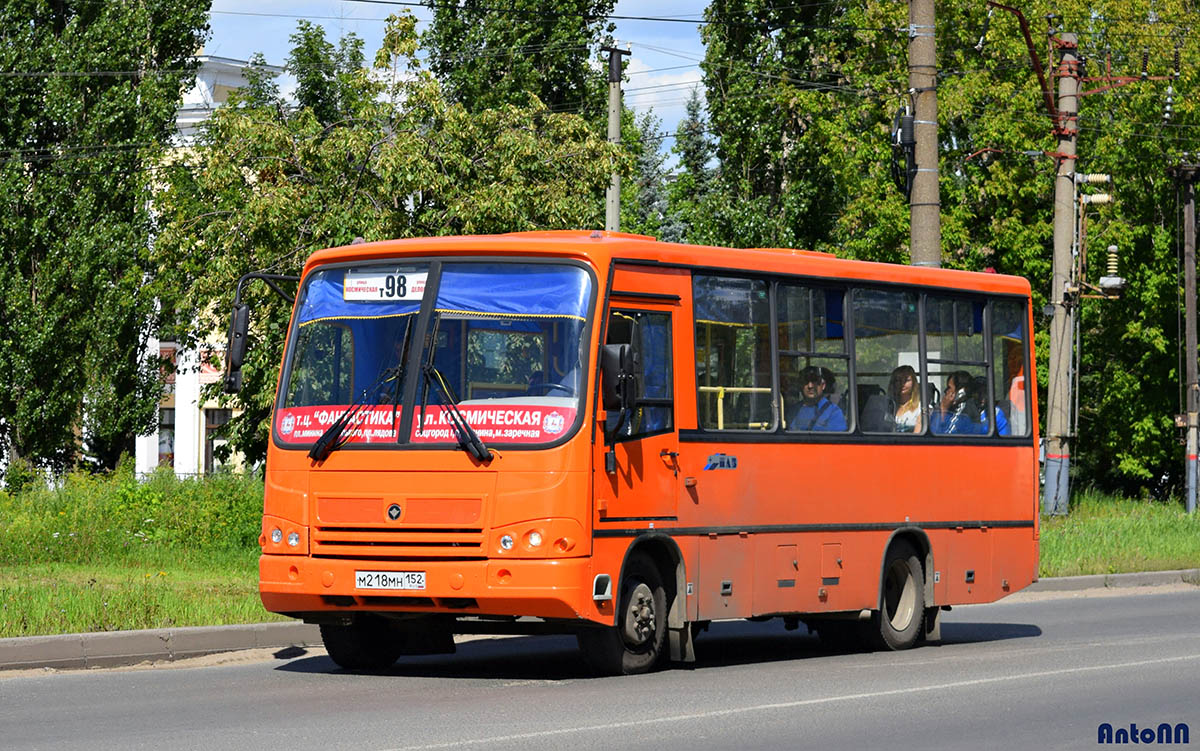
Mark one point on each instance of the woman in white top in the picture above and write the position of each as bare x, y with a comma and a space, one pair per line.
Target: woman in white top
907, 398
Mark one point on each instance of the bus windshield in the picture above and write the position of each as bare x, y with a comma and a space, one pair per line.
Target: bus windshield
503, 340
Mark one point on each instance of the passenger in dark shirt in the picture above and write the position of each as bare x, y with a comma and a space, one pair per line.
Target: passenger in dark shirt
815, 412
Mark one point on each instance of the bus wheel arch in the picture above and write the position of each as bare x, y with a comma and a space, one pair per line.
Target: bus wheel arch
648, 593
904, 592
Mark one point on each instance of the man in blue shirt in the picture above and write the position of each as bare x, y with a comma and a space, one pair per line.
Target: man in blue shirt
815, 412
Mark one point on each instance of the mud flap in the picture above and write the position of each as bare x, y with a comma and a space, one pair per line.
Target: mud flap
681, 643
932, 627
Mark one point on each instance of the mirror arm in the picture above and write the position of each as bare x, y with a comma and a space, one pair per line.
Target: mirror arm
271, 280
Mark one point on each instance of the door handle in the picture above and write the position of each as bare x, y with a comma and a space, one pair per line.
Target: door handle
674, 455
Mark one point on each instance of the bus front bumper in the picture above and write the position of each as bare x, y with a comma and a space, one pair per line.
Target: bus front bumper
546, 588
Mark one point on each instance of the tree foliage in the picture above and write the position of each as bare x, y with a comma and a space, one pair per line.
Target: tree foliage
89, 96
375, 153
488, 54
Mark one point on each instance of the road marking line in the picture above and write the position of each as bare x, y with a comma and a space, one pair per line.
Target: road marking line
789, 704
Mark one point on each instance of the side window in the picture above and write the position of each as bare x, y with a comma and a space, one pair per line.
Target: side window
813, 363
733, 353
889, 394
1010, 348
954, 345
650, 335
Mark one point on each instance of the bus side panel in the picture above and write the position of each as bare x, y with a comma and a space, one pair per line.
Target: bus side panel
832, 508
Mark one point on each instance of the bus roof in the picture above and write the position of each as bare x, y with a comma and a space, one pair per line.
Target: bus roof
602, 247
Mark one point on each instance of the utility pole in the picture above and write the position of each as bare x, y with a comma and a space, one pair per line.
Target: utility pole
925, 229
1058, 397
1186, 174
612, 202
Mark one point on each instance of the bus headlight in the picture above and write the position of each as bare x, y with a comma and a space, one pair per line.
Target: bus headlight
293, 539
277, 535
537, 538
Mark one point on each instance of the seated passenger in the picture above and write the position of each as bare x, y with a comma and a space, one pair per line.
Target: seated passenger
959, 412
815, 412
906, 399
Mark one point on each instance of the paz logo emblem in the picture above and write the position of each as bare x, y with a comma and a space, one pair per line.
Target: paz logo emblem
394, 512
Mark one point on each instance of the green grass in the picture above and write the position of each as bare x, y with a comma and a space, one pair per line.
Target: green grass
60, 598
1108, 535
112, 553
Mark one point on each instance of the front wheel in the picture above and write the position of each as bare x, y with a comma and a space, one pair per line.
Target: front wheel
366, 644
635, 644
897, 623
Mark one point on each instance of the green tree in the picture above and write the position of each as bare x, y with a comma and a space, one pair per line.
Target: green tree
763, 67
90, 92
267, 185
488, 54
692, 182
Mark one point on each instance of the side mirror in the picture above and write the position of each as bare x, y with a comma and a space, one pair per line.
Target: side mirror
235, 349
620, 367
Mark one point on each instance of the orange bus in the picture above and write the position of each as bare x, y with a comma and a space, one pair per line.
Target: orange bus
601, 434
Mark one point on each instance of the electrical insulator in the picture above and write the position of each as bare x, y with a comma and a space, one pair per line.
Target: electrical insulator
1111, 284
1092, 178
1096, 198
1145, 63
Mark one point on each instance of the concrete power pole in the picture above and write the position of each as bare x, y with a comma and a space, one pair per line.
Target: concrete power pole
1058, 398
612, 202
925, 231
1187, 176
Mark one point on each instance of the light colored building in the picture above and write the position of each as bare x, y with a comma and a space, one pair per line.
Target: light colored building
187, 436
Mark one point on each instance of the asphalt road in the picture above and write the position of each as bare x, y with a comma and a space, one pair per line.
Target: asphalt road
1033, 671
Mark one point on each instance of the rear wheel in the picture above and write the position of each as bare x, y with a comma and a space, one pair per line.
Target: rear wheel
897, 623
636, 643
366, 644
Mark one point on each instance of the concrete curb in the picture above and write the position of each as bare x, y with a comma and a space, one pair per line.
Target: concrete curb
116, 648
1110, 581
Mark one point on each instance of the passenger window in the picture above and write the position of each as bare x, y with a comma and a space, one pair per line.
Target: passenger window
954, 346
733, 353
650, 335
813, 363
889, 394
1009, 348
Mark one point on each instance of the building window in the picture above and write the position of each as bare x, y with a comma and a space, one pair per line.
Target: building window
166, 437
215, 421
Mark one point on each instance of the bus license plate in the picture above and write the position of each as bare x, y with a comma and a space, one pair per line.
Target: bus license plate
389, 580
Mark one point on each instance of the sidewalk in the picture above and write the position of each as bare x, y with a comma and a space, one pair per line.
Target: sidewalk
116, 648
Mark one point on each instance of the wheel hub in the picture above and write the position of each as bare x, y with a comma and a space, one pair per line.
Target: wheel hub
640, 618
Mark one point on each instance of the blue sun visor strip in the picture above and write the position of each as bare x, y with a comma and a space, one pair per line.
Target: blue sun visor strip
533, 290
502, 290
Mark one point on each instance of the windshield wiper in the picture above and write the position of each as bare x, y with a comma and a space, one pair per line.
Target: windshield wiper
333, 439
468, 439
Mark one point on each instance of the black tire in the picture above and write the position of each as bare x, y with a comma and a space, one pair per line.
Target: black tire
897, 624
366, 644
636, 644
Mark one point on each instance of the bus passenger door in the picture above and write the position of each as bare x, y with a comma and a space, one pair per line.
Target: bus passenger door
637, 461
